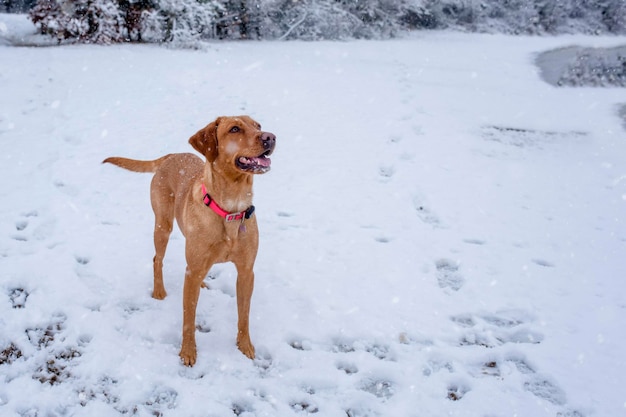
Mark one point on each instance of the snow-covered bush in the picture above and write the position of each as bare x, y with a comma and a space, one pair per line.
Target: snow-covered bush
181, 22
308, 20
16, 6
334, 19
90, 21
531, 16
595, 70
133, 12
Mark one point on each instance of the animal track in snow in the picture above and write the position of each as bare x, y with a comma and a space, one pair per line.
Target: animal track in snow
241, 407
435, 366
304, 406
347, 367
21, 225
378, 350
131, 308
82, 260
521, 365
30, 225
263, 360
543, 262
528, 138
545, 389
161, 399
104, 390
424, 213
55, 370
490, 330
448, 276
203, 327
386, 171
380, 387
65, 188
10, 354
300, 344
18, 297
474, 241
457, 391
42, 337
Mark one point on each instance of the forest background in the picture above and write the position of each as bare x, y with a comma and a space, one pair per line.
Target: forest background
187, 23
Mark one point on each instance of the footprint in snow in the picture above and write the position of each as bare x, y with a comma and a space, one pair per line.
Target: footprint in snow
65, 188
381, 388
543, 262
22, 224
386, 172
10, 354
424, 213
162, 398
490, 330
241, 407
378, 350
58, 366
448, 276
457, 391
304, 406
18, 297
263, 360
347, 367
472, 241
434, 366
82, 260
41, 337
545, 389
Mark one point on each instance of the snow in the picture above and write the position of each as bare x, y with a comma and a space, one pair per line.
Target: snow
442, 232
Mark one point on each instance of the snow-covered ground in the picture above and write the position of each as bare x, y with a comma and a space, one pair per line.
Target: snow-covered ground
442, 232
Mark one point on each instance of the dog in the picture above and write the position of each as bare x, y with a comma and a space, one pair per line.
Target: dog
212, 204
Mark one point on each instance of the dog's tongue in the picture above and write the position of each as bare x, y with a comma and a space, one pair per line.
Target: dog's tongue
263, 161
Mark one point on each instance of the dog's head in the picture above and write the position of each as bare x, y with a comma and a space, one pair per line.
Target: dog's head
236, 143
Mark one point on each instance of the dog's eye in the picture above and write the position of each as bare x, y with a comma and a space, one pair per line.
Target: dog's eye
234, 129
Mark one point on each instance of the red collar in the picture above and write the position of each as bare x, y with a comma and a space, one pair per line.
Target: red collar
209, 202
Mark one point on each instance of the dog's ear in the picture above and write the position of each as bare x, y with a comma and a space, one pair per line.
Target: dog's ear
205, 141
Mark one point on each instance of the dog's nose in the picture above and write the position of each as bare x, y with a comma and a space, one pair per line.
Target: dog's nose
268, 140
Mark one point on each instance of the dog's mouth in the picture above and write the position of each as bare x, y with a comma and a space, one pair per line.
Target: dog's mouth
256, 164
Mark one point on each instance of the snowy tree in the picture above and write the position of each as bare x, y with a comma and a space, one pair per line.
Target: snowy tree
614, 16
334, 19
16, 6
531, 17
181, 22
105, 21
133, 12
185, 22
237, 20
91, 21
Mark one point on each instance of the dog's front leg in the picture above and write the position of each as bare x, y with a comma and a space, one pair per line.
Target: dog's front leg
245, 285
191, 292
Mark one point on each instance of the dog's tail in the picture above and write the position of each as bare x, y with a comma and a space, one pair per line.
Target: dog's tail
136, 165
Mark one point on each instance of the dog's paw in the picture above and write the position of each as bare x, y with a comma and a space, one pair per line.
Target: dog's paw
159, 293
245, 346
188, 355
